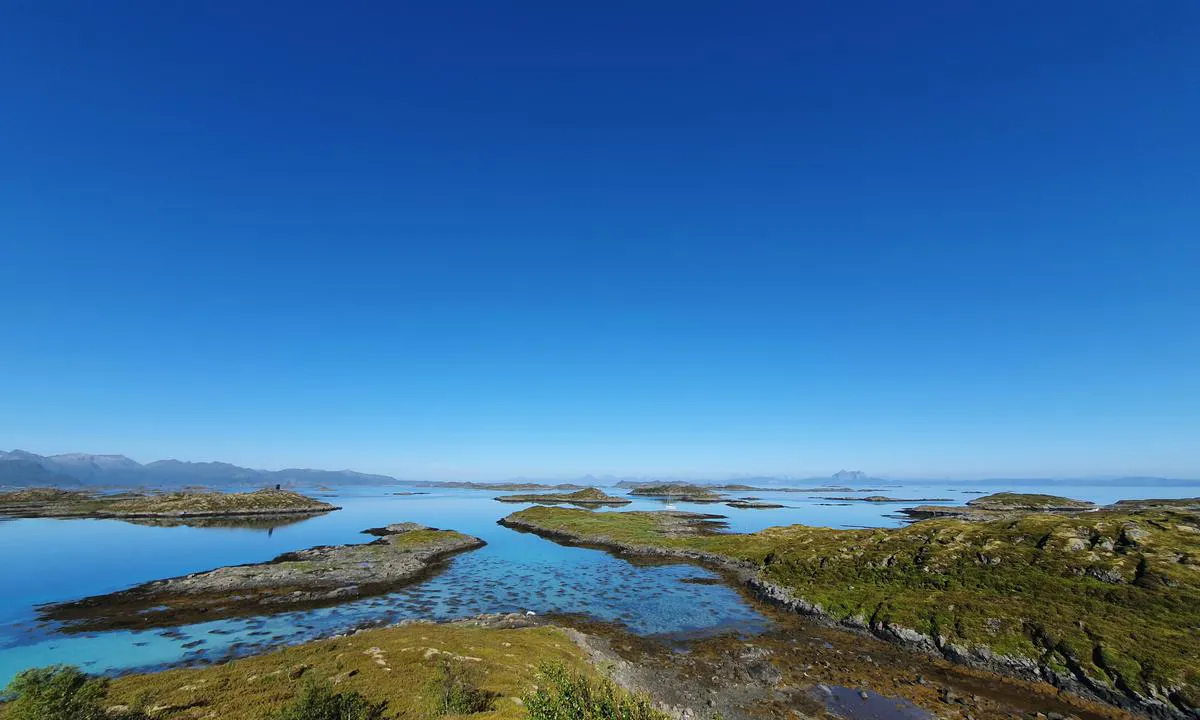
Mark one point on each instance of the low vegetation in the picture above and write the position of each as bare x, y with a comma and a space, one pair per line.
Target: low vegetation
753, 505
322, 575
1028, 501
881, 499
566, 695
1108, 599
67, 504
1186, 504
1005, 505
680, 491
417, 671
61, 692
319, 701
455, 690
587, 496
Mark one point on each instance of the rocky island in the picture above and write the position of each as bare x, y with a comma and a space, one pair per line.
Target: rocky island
1104, 605
55, 503
268, 523
881, 499
403, 552
1005, 504
1179, 504
1007, 501
746, 504
682, 492
767, 488
586, 497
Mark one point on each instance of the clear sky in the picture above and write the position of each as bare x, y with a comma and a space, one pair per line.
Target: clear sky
489, 239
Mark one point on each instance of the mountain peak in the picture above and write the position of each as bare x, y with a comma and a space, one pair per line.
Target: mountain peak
22, 469
104, 461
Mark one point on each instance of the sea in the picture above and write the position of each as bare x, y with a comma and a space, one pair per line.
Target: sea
47, 561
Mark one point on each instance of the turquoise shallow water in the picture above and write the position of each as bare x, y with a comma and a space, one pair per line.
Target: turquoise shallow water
55, 560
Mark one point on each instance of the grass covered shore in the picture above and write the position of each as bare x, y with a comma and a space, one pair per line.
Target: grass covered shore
54, 503
414, 671
1105, 603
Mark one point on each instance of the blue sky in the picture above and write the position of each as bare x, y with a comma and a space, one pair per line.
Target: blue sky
482, 240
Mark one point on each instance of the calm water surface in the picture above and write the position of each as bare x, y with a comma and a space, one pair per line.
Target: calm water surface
56, 560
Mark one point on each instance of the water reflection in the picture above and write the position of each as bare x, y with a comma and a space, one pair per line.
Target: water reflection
267, 523
865, 704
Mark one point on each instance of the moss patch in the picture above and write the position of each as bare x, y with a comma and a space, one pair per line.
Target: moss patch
403, 666
1113, 597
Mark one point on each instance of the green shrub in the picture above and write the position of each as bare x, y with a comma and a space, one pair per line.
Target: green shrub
60, 692
455, 691
564, 695
318, 701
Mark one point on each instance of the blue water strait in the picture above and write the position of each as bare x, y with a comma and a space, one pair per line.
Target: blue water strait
58, 560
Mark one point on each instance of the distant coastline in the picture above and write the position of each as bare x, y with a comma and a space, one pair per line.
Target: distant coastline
21, 469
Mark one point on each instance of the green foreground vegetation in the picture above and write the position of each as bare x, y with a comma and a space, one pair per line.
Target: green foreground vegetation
419, 671
1111, 598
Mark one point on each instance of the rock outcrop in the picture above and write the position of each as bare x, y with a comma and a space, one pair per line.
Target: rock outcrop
322, 575
585, 497
54, 503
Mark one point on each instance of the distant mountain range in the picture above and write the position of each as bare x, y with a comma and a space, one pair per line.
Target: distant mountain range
25, 469
20, 468
751, 482
629, 482
856, 478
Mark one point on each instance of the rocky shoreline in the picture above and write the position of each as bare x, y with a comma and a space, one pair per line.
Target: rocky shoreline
746, 504
680, 492
402, 554
790, 672
999, 506
68, 504
1072, 678
584, 498
881, 499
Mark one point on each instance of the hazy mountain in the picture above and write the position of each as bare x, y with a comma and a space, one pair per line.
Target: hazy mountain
74, 469
22, 468
178, 472
95, 469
